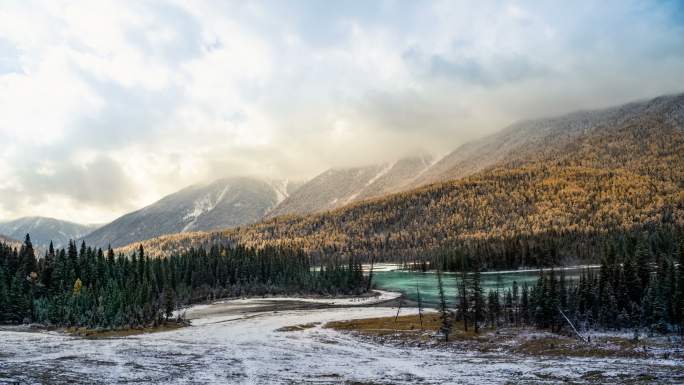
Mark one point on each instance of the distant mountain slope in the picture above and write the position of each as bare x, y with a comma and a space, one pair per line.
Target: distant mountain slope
221, 204
626, 173
9, 241
338, 187
43, 230
524, 140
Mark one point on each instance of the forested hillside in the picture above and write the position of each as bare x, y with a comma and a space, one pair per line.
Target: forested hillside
525, 140
559, 204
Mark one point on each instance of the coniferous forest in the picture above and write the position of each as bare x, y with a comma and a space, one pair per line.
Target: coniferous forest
89, 287
639, 286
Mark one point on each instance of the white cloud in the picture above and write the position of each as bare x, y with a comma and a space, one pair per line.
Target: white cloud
158, 95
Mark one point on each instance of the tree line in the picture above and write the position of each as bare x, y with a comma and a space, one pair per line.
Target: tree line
636, 288
548, 249
89, 287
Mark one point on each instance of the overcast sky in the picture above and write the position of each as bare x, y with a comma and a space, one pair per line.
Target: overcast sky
108, 106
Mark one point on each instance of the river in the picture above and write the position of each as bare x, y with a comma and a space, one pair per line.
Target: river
392, 278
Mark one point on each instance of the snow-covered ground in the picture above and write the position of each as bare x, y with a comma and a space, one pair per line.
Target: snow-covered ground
382, 296
249, 349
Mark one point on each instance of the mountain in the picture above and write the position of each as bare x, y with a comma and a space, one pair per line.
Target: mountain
221, 204
9, 241
525, 139
622, 175
43, 230
338, 187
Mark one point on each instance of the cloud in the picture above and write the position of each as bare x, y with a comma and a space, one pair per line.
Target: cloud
97, 180
78, 184
106, 106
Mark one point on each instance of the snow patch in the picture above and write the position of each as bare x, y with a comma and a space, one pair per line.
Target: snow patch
351, 198
280, 189
382, 173
203, 205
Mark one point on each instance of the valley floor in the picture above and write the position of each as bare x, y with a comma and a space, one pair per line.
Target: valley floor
284, 341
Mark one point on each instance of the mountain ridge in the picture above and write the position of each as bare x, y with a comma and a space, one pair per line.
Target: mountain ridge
44, 230
221, 203
616, 175
530, 135
337, 187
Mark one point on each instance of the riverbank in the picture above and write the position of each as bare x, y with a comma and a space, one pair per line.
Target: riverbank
220, 308
226, 344
410, 330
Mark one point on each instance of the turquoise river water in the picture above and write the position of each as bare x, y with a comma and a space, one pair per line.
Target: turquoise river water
408, 282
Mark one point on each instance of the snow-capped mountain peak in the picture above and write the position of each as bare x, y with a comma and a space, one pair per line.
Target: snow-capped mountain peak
217, 205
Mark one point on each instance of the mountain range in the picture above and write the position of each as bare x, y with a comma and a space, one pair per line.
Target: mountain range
239, 201
223, 203
588, 172
338, 187
630, 140
43, 230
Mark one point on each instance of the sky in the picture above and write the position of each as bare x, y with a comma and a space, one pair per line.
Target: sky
106, 106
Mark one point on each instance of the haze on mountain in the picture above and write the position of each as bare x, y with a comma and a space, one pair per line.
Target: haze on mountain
526, 139
220, 204
340, 186
106, 108
45, 230
588, 172
232, 202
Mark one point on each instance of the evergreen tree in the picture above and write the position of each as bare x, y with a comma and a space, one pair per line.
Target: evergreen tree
679, 296
88, 289
445, 328
477, 298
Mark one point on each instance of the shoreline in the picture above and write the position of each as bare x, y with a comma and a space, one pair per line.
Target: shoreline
256, 346
387, 268
406, 330
219, 308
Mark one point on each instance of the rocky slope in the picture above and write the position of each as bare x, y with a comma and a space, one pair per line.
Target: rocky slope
625, 173
338, 187
221, 204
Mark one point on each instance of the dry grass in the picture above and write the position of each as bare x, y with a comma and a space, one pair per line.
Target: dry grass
408, 326
296, 328
407, 329
567, 347
118, 333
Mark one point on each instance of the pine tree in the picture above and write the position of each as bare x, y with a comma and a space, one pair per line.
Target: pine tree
525, 304
18, 308
48, 267
4, 292
420, 305
445, 328
476, 298
679, 296
643, 260
27, 257
463, 298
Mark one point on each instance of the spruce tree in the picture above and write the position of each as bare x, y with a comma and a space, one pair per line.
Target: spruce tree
445, 328
679, 296
476, 298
